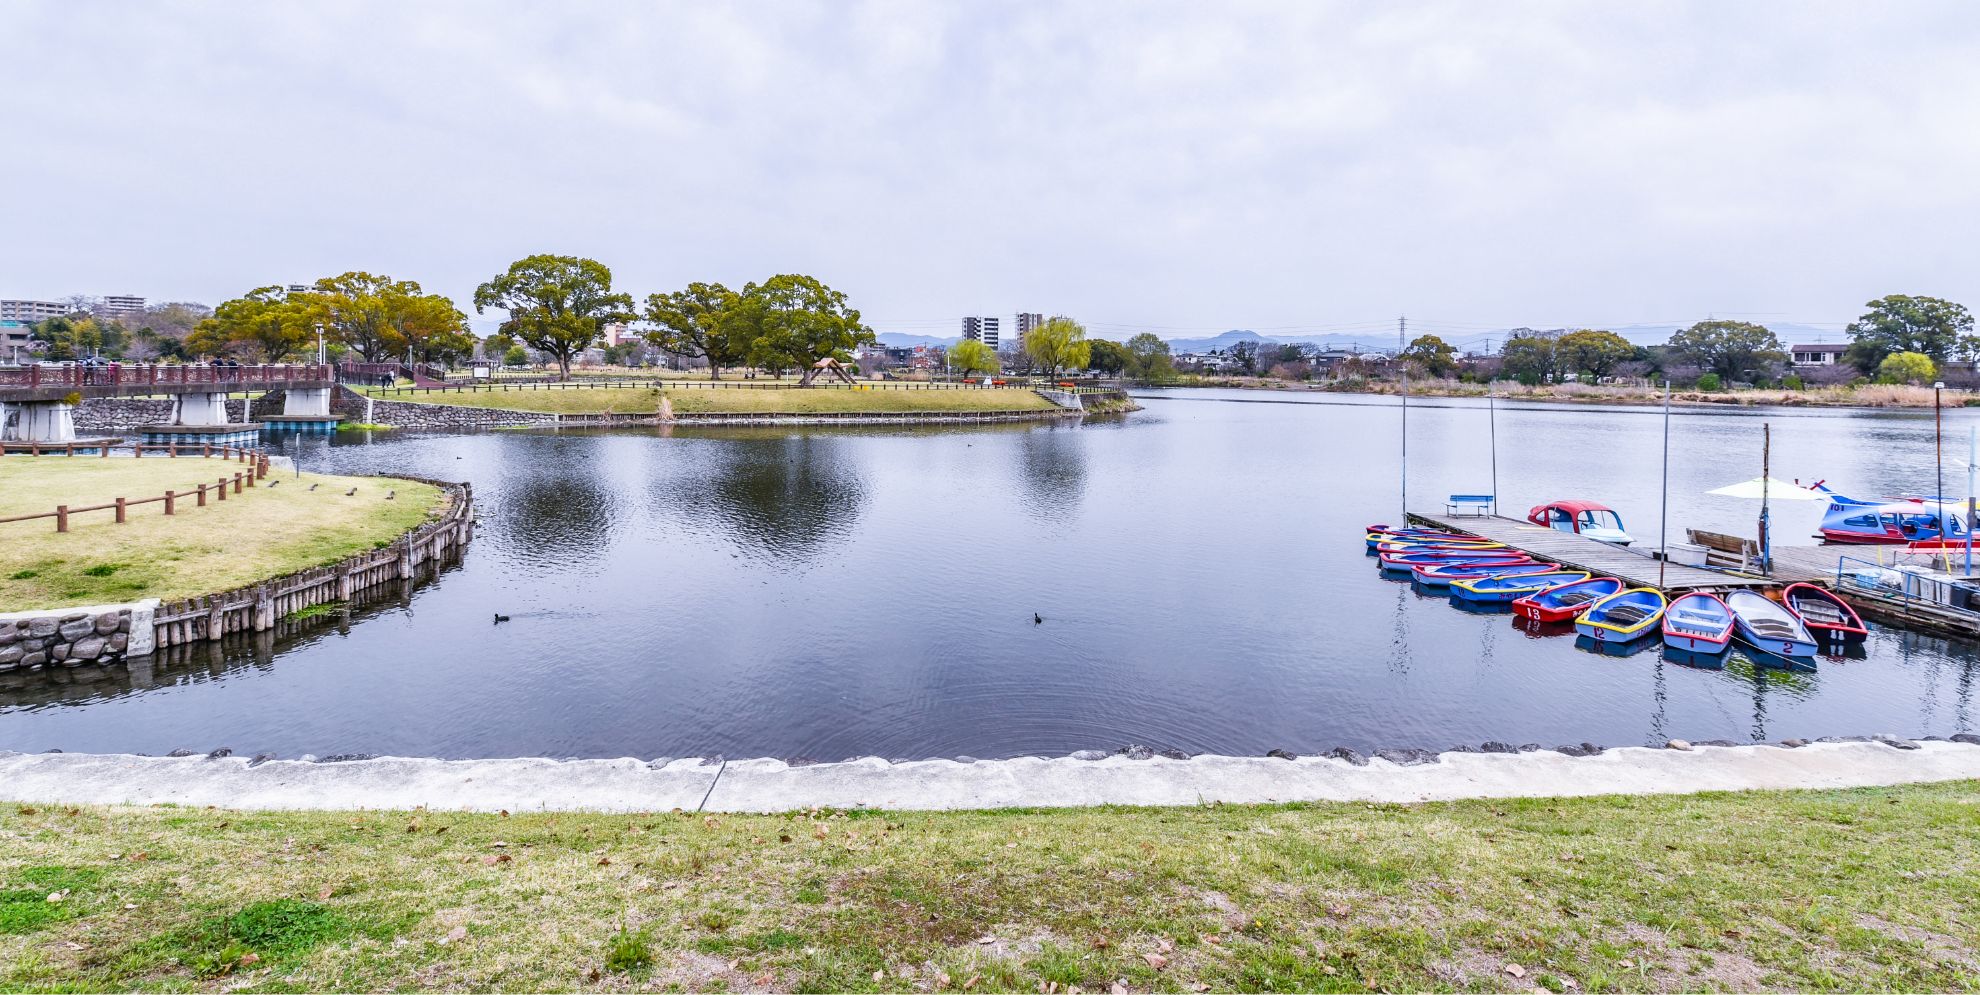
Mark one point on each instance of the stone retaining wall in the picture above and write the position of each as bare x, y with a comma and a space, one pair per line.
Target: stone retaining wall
73, 637
432, 417
122, 414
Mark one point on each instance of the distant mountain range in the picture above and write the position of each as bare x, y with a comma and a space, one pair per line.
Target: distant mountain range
1789, 333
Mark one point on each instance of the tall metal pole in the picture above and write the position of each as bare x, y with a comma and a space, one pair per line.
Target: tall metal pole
1664, 507
1766, 458
1972, 449
1938, 462
1492, 417
1400, 324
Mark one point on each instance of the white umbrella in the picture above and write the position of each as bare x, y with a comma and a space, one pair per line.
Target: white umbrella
1774, 490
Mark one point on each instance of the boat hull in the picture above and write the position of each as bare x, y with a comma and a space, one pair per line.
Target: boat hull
1772, 645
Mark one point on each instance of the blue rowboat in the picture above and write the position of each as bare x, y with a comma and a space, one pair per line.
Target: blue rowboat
1698, 623
1560, 604
1507, 588
1405, 562
1375, 537
1768, 627
1440, 575
1623, 616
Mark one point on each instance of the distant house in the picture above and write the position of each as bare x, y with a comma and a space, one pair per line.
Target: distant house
1213, 361
1819, 354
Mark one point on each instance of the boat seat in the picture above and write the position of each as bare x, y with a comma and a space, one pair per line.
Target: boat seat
1818, 611
1772, 627
1627, 613
1576, 598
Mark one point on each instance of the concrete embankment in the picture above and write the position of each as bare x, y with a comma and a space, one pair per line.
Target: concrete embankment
766, 785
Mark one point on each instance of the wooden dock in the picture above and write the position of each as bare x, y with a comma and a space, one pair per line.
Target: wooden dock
1810, 564
1637, 569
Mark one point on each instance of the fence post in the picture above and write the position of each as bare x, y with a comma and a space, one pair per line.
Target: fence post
104, 452
168, 501
237, 482
120, 511
61, 518
250, 476
223, 488
202, 496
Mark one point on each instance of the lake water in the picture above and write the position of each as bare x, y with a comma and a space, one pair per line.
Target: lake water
825, 593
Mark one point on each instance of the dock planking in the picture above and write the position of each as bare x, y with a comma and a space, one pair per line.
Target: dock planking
1582, 553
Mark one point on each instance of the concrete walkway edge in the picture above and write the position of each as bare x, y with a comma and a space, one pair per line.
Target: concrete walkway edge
766, 785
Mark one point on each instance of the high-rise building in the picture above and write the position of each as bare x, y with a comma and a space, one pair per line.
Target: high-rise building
116, 305
981, 327
1025, 323
31, 310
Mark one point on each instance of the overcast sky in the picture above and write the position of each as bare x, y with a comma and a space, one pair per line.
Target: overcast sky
1189, 168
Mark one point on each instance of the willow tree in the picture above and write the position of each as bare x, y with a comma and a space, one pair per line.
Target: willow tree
1059, 344
972, 356
559, 305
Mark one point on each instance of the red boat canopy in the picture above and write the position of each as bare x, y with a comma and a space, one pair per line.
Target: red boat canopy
1538, 515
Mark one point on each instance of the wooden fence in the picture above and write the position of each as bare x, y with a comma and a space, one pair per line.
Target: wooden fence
256, 468
650, 383
257, 607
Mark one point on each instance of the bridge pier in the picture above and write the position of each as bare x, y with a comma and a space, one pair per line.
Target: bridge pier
306, 402
200, 410
38, 421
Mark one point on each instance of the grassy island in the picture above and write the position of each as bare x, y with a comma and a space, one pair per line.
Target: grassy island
892, 398
1866, 889
259, 533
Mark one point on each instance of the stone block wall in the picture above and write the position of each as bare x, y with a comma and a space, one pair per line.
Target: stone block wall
97, 415
72, 637
432, 417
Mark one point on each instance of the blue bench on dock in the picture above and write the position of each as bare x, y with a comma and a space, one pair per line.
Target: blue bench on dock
1472, 504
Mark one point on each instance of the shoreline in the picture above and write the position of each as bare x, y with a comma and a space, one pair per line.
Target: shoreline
771, 785
1776, 398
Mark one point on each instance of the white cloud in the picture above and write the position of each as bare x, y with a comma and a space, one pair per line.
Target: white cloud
1177, 164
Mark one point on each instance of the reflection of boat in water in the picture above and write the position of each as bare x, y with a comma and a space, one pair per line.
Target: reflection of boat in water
1910, 521
1533, 628
1609, 647
1694, 659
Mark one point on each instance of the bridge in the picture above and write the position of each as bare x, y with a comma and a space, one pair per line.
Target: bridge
37, 403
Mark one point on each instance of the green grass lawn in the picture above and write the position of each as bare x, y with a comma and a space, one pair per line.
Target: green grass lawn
1870, 889
261, 532
696, 400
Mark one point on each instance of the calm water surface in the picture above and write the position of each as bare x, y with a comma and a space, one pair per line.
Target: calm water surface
825, 593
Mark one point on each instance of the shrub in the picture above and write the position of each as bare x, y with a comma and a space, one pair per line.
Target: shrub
1710, 381
1792, 382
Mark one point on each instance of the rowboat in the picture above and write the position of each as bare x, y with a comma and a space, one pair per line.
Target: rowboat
1378, 536
1558, 604
1698, 622
1510, 587
1382, 542
1828, 617
1768, 627
1435, 575
1401, 559
1622, 616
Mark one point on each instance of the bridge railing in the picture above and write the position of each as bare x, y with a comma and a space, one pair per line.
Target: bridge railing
158, 375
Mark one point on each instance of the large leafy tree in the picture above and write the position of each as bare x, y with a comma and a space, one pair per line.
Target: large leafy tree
972, 356
1059, 344
691, 322
1735, 350
356, 310
1901, 323
1592, 351
559, 305
1529, 356
432, 328
1437, 357
266, 324
1110, 357
791, 321
1907, 367
1151, 358
79, 336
